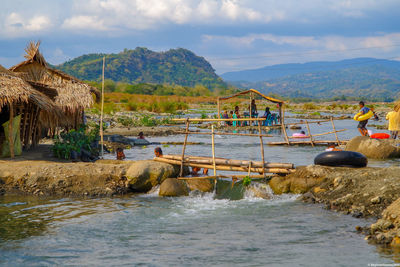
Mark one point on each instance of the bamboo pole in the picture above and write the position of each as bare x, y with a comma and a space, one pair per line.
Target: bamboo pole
334, 129
184, 147
231, 162
102, 110
10, 131
309, 133
250, 109
24, 119
211, 120
219, 110
320, 134
224, 133
316, 142
249, 169
226, 168
262, 149
213, 151
31, 119
255, 176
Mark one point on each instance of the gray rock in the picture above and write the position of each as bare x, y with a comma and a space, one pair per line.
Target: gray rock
374, 148
143, 175
172, 187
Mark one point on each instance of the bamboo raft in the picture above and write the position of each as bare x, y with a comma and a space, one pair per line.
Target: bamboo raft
224, 164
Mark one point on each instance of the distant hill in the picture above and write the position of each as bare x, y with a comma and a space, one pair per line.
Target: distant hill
369, 78
141, 65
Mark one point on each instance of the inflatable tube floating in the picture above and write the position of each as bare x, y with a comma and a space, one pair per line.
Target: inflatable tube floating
363, 117
299, 135
341, 159
380, 136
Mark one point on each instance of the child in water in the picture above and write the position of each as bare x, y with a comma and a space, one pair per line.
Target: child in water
120, 153
158, 152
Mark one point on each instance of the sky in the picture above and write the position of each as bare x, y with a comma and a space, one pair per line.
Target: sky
231, 34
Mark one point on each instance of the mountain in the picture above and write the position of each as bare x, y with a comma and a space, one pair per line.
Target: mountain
141, 65
369, 78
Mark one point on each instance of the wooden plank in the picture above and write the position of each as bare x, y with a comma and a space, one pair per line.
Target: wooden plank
334, 129
231, 162
262, 149
254, 176
184, 147
10, 131
213, 151
226, 168
224, 133
321, 134
309, 133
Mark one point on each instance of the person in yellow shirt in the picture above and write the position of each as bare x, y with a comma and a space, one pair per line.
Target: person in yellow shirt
394, 121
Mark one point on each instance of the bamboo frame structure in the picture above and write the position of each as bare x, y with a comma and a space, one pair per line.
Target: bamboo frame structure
184, 147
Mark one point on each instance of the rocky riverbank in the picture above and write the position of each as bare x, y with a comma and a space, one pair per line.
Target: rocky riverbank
365, 192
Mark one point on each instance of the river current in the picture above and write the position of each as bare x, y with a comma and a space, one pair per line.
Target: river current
198, 230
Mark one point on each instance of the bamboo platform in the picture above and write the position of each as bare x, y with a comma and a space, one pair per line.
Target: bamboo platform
308, 142
228, 164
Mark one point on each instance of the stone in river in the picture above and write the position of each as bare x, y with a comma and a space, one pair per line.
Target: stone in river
173, 187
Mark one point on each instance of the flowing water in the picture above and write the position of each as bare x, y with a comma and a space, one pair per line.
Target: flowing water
197, 230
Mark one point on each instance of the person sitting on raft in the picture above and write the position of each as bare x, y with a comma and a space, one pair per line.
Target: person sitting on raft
158, 152
236, 116
225, 116
362, 125
394, 121
120, 153
141, 135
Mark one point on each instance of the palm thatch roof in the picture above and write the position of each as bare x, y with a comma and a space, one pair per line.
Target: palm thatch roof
73, 94
15, 90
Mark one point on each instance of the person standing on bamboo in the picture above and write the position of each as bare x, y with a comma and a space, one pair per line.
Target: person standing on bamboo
394, 121
253, 109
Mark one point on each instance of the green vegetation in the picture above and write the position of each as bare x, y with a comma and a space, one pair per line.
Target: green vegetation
161, 89
75, 140
143, 66
246, 181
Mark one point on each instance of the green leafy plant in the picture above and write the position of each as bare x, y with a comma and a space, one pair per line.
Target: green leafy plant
246, 181
75, 140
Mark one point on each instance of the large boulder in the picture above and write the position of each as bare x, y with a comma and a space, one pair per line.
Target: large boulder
116, 138
299, 182
374, 148
280, 185
203, 185
143, 175
172, 187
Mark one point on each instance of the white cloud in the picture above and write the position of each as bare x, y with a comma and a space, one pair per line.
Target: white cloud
17, 25
84, 23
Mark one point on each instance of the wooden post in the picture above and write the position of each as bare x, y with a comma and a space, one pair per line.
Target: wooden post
24, 121
309, 133
284, 128
251, 95
213, 150
280, 112
249, 171
219, 110
262, 150
101, 112
184, 147
334, 129
10, 131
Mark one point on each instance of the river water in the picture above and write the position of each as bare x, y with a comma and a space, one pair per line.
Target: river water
197, 230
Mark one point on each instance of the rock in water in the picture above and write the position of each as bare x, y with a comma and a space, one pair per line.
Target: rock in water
203, 185
173, 187
143, 175
374, 148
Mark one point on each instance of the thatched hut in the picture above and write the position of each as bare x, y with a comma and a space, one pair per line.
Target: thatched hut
18, 99
73, 95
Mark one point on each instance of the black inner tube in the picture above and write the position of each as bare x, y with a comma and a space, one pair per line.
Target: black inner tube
341, 159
